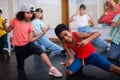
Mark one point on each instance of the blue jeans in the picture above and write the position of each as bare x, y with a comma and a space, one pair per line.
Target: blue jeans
114, 52
44, 43
98, 41
94, 59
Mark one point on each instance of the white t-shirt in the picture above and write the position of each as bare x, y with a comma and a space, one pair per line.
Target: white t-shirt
81, 20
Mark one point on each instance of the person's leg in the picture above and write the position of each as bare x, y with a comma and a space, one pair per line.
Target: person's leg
74, 67
114, 52
19, 57
6, 41
52, 46
34, 49
40, 45
1, 45
6, 46
23, 52
101, 62
101, 43
115, 69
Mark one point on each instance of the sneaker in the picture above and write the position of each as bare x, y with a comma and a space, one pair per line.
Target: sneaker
55, 72
63, 53
108, 47
6, 53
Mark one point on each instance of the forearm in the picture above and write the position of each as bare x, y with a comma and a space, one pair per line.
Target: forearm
36, 37
71, 18
7, 29
93, 36
116, 24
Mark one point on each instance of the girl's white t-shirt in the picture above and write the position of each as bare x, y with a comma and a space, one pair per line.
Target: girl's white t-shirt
81, 21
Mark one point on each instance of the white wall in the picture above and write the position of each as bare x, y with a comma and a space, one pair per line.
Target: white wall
4, 5
51, 10
95, 7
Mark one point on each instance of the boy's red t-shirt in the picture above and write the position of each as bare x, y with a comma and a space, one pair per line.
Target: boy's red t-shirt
81, 52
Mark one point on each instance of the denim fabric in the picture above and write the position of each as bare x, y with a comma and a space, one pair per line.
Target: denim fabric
98, 41
3, 43
114, 52
94, 59
44, 43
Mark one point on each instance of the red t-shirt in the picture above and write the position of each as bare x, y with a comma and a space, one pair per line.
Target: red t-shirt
110, 15
81, 52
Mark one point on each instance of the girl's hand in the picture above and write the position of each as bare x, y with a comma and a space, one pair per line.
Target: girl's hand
48, 27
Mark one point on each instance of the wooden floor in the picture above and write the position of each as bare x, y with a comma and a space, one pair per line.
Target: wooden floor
36, 69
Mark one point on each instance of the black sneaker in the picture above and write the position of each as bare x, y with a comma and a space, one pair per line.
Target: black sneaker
48, 50
63, 53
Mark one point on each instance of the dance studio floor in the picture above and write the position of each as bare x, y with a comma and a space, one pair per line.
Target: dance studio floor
36, 69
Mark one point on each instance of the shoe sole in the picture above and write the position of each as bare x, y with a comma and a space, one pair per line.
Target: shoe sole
6, 54
55, 75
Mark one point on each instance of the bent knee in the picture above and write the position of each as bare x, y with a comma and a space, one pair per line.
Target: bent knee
68, 72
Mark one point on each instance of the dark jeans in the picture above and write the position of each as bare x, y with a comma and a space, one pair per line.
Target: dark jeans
3, 43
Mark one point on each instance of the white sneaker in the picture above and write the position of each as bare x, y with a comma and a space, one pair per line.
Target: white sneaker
108, 47
6, 53
55, 72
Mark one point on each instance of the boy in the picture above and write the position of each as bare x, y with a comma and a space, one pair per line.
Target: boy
85, 53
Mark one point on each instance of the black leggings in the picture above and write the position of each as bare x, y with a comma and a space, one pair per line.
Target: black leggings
22, 52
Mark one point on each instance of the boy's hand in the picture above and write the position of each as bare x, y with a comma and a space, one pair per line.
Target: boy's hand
82, 43
68, 62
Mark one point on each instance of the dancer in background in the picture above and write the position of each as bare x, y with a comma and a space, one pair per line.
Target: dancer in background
82, 21
44, 42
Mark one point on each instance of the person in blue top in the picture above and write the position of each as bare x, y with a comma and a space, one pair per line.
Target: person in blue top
44, 41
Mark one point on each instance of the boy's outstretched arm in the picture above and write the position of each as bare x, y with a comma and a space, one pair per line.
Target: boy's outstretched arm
88, 36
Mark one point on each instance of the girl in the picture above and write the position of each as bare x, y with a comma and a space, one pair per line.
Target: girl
23, 38
82, 21
44, 42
